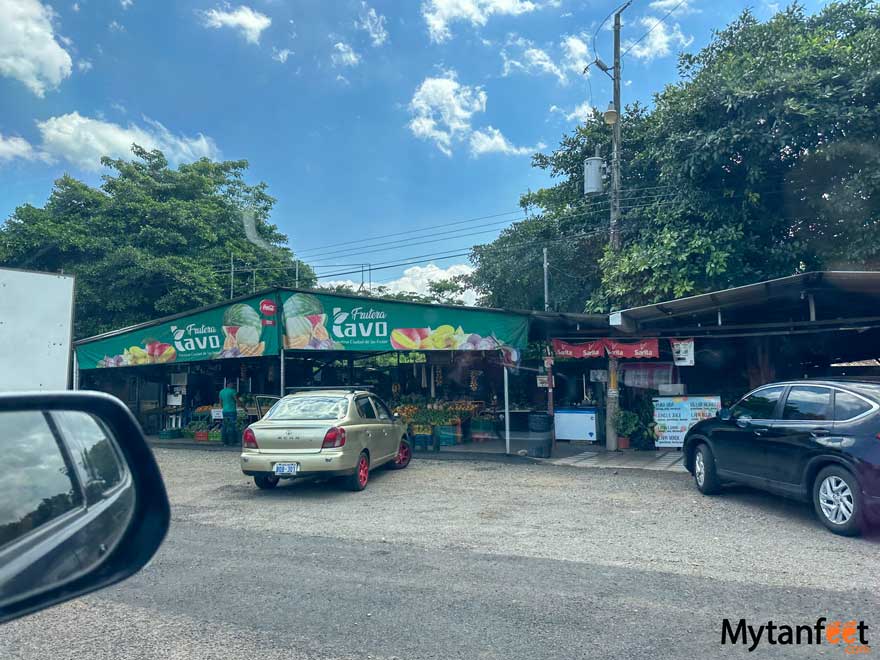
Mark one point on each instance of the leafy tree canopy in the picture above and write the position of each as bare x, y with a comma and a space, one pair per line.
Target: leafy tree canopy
152, 240
762, 161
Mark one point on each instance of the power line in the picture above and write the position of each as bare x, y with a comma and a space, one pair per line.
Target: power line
657, 24
599, 27
419, 230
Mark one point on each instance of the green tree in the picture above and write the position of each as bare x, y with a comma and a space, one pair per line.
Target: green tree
152, 240
762, 161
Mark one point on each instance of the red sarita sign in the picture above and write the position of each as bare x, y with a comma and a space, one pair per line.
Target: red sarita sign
640, 348
590, 349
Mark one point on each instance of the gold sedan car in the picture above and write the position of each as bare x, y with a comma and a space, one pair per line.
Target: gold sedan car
331, 433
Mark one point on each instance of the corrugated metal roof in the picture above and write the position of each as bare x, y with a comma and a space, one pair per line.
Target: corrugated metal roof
752, 294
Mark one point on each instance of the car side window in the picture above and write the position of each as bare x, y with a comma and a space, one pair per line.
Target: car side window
381, 408
365, 408
807, 403
37, 480
92, 451
847, 406
760, 404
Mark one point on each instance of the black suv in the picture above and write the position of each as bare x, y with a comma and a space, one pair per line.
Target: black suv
809, 440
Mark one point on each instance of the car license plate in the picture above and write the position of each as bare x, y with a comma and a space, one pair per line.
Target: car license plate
286, 468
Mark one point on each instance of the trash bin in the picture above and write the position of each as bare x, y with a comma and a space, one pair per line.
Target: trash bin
539, 445
540, 422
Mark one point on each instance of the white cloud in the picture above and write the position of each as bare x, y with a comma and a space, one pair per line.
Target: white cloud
29, 51
676, 7
491, 141
659, 41
534, 60
16, 147
416, 279
126, 3
442, 108
342, 80
82, 140
438, 14
573, 58
576, 55
373, 24
75, 6
118, 107
249, 22
344, 55
116, 26
580, 113
84, 66
281, 55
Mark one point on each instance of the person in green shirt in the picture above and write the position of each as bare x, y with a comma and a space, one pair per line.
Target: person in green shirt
229, 400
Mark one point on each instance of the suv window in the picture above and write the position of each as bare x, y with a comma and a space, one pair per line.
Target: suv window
807, 402
92, 450
847, 406
381, 408
365, 408
37, 483
759, 405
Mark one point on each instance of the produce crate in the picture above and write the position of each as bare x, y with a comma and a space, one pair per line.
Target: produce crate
448, 435
215, 436
170, 434
422, 441
201, 436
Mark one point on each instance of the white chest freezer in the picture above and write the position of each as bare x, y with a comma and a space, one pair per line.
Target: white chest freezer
575, 424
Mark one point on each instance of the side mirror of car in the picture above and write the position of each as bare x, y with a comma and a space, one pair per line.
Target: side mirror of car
82, 502
725, 415
743, 421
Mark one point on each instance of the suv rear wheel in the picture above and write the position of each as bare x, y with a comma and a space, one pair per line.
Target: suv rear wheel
705, 475
837, 500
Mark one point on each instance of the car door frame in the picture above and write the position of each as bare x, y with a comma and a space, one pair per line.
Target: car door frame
388, 427
741, 446
792, 445
368, 431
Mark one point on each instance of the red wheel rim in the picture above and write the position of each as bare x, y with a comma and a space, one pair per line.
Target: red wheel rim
403, 454
363, 471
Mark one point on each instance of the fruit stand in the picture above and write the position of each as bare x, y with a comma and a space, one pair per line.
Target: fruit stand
206, 424
447, 423
451, 357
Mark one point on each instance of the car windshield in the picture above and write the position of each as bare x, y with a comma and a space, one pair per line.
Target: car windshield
309, 407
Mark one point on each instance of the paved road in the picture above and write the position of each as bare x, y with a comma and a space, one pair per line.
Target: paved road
464, 560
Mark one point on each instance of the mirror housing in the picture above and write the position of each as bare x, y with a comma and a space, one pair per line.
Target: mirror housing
725, 415
137, 529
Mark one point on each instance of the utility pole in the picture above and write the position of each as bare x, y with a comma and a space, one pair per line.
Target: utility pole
546, 283
231, 277
612, 400
296, 266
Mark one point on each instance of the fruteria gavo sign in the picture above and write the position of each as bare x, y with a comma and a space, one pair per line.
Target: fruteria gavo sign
248, 328
326, 322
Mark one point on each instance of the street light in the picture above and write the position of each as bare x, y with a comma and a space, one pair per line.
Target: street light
610, 115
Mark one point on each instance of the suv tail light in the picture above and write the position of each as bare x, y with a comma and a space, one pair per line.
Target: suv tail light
334, 438
249, 440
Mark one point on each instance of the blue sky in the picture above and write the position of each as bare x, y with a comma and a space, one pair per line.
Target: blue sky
365, 118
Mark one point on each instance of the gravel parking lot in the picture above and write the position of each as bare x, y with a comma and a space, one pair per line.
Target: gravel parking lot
577, 554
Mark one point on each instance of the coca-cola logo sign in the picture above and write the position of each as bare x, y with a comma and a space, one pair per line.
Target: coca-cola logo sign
268, 307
